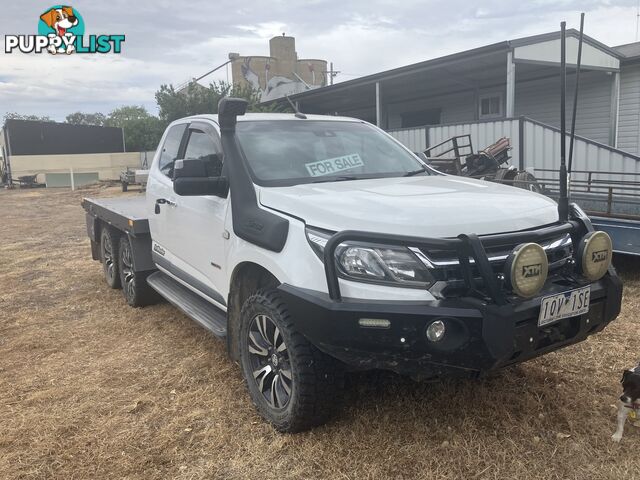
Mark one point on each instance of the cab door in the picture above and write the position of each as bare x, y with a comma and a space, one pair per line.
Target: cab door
161, 199
197, 235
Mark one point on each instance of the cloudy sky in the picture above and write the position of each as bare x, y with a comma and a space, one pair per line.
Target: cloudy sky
172, 41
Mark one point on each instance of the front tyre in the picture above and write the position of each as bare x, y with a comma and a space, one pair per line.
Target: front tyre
292, 384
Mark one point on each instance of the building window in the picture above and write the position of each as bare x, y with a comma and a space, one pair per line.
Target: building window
421, 118
490, 106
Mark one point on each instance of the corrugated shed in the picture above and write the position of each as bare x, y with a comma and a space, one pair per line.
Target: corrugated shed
629, 116
540, 99
540, 147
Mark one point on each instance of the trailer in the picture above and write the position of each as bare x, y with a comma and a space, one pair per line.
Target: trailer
610, 198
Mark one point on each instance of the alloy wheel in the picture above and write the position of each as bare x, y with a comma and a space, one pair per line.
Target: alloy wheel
128, 276
269, 360
107, 255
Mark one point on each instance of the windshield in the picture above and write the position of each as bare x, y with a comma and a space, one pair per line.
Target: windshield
289, 152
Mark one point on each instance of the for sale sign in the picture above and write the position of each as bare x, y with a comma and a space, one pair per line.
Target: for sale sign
331, 166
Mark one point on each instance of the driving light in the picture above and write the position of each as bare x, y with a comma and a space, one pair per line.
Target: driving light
526, 269
374, 323
436, 330
595, 250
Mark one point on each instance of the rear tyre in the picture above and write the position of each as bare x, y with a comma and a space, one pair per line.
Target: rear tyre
137, 292
125, 186
109, 256
293, 385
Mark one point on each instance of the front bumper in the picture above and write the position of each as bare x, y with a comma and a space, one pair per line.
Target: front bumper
480, 336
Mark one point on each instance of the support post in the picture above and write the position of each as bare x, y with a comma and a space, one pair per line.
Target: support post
521, 140
615, 110
73, 183
378, 106
7, 143
511, 86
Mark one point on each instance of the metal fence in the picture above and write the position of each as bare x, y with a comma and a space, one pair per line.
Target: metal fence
535, 145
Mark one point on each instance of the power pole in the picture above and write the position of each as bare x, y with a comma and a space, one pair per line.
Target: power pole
637, 20
331, 73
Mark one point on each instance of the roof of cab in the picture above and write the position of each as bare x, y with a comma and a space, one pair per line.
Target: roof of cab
253, 117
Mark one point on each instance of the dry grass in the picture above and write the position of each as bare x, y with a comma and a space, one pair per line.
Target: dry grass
90, 388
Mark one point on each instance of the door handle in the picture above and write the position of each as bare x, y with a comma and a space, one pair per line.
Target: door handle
163, 201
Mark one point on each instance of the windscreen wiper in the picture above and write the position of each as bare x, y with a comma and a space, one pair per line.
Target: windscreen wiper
340, 178
415, 172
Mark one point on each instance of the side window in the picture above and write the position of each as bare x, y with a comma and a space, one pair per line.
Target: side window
170, 149
204, 146
490, 106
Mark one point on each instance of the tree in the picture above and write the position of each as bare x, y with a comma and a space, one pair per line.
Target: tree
142, 131
196, 99
19, 116
79, 118
143, 134
120, 116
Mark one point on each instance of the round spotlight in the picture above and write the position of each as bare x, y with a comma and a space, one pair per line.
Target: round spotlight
526, 269
436, 331
595, 252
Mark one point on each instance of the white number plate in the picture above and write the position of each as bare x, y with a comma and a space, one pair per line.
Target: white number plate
564, 305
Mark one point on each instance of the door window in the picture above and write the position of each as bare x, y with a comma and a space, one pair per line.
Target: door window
171, 149
204, 146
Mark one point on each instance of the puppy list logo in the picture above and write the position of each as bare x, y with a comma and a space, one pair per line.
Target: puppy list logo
61, 30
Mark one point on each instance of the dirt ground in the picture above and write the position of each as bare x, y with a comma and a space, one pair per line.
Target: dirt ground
90, 388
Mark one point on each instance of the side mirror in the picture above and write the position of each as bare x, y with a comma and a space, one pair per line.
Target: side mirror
191, 178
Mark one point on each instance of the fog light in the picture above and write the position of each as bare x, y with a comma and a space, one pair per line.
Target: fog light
526, 269
374, 323
595, 252
436, 331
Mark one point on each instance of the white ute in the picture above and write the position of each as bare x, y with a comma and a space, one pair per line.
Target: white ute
318, 244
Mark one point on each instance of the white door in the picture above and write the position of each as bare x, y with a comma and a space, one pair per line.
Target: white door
161, 199
196, 237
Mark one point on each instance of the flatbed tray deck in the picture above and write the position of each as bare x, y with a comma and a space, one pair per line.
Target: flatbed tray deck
128, 214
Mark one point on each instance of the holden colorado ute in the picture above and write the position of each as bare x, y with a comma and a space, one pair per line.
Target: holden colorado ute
315, 244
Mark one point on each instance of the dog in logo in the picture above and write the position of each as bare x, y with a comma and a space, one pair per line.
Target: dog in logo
60, 20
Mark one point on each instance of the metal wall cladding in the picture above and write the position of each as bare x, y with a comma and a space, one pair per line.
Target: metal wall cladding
49, 138
629, 118
413, 138
540, 148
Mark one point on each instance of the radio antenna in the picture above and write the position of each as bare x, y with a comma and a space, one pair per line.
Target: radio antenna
575, 102
563, 200
298, 113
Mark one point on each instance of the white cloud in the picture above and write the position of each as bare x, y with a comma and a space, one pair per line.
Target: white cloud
360, 37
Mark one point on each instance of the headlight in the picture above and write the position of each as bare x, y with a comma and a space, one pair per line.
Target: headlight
595, 252
526, 269
383, 264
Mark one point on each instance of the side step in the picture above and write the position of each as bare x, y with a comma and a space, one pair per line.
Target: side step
194, 306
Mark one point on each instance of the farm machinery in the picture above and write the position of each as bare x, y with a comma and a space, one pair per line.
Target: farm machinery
455, 156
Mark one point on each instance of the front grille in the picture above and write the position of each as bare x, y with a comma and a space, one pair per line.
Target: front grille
446, 268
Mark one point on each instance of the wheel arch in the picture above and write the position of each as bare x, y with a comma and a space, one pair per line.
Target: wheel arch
247, 277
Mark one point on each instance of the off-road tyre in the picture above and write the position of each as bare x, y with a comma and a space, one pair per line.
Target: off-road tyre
317, 380
109, 244
137, 292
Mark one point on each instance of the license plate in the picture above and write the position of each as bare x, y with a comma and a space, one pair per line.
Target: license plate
564, 305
